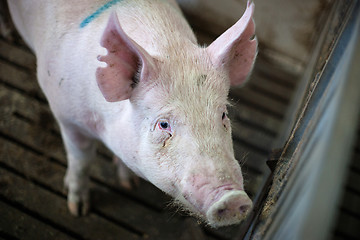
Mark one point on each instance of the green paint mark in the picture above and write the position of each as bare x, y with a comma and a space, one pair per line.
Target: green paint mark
97, 13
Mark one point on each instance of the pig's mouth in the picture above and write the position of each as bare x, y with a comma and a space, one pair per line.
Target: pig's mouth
222, 206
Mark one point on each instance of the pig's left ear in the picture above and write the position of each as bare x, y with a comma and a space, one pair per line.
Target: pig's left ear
235, 50
127, 63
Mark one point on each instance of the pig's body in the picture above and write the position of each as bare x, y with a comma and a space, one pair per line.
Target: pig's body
67, 58
158, 101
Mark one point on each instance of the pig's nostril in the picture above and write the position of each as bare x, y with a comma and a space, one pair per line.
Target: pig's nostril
244, 209
221, 211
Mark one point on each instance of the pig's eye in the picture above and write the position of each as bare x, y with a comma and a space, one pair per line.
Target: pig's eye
164, 125
225, 121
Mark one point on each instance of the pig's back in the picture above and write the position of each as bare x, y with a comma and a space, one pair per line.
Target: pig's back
42, 21
38, 20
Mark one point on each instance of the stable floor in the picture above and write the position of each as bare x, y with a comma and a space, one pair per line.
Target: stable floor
33, 163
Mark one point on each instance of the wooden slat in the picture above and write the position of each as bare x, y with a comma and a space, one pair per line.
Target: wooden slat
22, 226
252, 183
4, 236
351, 202
259, 140
341, 236
260, 102
50, 206
31, 135
356, 160
248, 157
243, 112
29, 108
20, 78
354, 180
32, 165
7, 237
348, 222
15, 54
348, 225
271, 88
274, 72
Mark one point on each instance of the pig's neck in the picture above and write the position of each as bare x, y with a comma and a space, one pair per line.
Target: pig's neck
158, 26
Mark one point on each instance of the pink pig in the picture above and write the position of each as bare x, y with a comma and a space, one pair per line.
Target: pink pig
131, 74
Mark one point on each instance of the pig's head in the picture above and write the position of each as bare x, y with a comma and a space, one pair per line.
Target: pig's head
178, 131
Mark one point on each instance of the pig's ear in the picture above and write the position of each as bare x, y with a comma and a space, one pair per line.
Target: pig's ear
127, 63
235, 50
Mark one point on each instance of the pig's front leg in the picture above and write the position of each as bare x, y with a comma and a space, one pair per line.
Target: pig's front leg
80, 153
127, 178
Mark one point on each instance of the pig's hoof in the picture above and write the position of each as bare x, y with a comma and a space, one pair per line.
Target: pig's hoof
79, 208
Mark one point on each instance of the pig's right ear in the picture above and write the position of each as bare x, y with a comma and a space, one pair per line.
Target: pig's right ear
127, 63
235, 50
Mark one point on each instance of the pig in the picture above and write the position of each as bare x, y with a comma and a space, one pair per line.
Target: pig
131, 74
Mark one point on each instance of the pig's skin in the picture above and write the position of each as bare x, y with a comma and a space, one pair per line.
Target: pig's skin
170, 128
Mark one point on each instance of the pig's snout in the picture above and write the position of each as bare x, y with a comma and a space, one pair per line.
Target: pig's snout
231, 208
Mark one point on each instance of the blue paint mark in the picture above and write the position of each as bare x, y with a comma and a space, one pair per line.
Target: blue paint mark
97, 13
